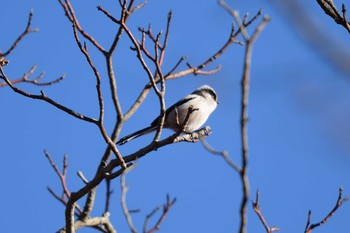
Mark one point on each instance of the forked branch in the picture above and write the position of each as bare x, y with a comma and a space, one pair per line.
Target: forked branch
26, 31
340, 201
165, 210
249, 40
36, 81
62, 175
257, 210
330, 9
45, 98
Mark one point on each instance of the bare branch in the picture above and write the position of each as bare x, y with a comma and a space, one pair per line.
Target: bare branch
244, 117
45, 98
109, 61
105, 170
82, 177
109, 193
63, 200
166, 38
95, 222
166, 208
26, 31
70, 14
84, 51
149, 216
242, 24
100, 8
139, 6
176, 65
330, 9
100, 124
175, 138
170, 75
340, 201
124, 188
223, 154
36, 81
257, 210
62, 176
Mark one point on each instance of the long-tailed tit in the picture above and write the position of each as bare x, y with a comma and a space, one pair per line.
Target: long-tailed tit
203, 101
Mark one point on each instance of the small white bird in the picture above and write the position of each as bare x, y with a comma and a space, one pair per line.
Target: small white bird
203, 100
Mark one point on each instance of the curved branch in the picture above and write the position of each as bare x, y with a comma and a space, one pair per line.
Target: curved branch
340, 201
257, 210
36, 81
26, 31
45, 98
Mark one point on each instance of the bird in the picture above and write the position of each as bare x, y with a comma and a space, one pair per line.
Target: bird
203, 102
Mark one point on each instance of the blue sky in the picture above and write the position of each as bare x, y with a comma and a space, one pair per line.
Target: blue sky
298, 127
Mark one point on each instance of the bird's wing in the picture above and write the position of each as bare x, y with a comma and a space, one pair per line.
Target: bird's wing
172, 107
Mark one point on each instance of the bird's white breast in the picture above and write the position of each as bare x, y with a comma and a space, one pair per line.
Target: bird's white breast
203, 108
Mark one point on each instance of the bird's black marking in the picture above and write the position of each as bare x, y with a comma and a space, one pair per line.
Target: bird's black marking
208, 90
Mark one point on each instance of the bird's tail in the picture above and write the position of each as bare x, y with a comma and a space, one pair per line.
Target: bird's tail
136, 134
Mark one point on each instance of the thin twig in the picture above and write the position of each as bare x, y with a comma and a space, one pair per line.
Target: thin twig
108, 195
176, 65
63, 200
35, 81
166, 38
100, 124
26, 31
75, 196
113, 87
148, 218
82, 177
45, 98
62, 176
330, 9
70, 14
170, 75
223, 154
257, 210
340, 201
105, 171
166, 208
109, 59
124, 188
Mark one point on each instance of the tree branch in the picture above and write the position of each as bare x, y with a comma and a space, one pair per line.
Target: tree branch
340, 201
26, 31
125, 188
36, 81
45, 98
243, 172
70, 14
62, 176
257, 210
223, 154
244, 118
330, 9
166, 208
